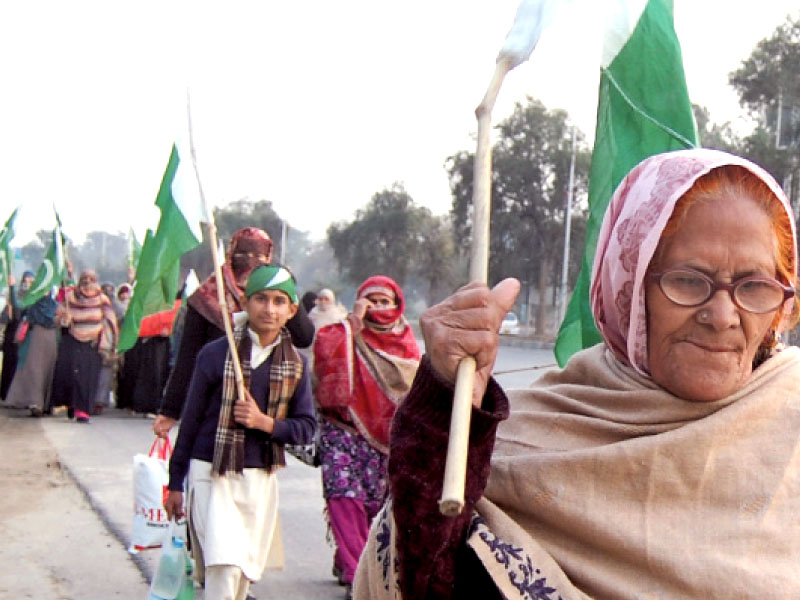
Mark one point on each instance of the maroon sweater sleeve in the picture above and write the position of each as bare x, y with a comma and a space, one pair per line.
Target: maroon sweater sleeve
427, 541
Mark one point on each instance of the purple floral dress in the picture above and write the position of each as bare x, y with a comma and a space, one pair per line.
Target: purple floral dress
351, 468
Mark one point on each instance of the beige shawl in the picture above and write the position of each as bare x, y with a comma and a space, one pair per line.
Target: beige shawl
605, 486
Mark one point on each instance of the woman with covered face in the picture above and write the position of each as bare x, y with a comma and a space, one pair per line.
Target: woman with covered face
364, 366
249, 248
661, 463
10, 319
91, 334
33, 379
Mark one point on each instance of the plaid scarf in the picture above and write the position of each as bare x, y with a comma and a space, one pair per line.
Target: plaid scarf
284, 375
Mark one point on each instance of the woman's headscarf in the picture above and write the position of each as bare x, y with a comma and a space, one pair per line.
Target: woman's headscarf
326, 313
250, 240
308, 300
24, 285
87, 276
386, 328
634, 221
92, 317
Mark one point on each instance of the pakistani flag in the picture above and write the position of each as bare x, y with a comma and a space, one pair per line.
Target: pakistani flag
134, 249
643, 109
178, 232
51, 271
6, 254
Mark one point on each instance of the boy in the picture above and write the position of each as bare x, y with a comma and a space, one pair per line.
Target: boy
231, 449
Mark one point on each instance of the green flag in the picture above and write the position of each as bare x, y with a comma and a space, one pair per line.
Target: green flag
643, 109
134, 249
51, 271
6, 254
178, 232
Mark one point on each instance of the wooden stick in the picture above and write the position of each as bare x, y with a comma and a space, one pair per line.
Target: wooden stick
455, 471
223, 306
213, 240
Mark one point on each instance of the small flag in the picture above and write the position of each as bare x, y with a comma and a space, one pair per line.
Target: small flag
6, 254
134, 249
178, 232
643, 109
51, 271
533, 16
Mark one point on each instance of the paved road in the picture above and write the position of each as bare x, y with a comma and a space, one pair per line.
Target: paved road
99, 458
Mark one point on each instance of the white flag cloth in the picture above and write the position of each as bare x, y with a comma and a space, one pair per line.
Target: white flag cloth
533, 16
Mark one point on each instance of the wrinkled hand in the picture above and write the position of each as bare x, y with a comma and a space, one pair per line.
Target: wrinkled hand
174, 505
248, 414
467, 324
162, 425
12, 280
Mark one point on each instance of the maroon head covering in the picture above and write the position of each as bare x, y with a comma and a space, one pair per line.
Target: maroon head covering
248, 248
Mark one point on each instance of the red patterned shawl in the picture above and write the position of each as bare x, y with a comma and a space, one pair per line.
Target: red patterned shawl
205, 301
364, 369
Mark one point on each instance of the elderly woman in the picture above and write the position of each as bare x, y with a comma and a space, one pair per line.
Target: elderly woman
662, 463
91, 335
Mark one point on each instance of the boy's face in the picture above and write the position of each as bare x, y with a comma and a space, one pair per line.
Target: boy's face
268, 311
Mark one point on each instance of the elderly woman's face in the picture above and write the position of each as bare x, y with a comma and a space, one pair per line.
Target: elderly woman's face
705, 353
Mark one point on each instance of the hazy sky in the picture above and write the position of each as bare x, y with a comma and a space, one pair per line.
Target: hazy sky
315, 106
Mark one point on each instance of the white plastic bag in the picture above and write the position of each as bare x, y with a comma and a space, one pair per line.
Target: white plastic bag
150, 479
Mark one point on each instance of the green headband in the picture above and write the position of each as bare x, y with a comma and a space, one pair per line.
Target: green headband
269, 277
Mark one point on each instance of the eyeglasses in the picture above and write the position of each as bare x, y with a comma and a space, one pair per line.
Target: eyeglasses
687, 287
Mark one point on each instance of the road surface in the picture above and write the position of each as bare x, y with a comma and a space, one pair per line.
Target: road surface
64, 544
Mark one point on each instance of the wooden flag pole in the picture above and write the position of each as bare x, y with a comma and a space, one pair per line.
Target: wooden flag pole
213, 241
223, 305
455, 471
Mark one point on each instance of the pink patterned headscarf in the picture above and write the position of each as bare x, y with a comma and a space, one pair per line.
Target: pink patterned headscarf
636, 216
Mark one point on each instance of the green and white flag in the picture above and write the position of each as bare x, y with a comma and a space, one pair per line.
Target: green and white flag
134, 249
178, 231
643, 109
51, 271
6, 254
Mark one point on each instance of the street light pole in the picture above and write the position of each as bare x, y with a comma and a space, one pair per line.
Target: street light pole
562, 302
284, 237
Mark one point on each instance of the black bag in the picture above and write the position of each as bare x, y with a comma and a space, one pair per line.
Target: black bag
305, 453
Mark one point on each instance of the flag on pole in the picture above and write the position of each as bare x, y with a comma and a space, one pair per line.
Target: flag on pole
533, 16
134, 249
178, 232
643, 109
6, 254
52, 270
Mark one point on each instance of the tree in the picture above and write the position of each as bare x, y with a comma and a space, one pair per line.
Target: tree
530, 175
712, 135
246, 213
105, 253
395, 237
768, 84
